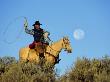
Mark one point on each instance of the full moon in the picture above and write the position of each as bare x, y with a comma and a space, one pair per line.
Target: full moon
79, 34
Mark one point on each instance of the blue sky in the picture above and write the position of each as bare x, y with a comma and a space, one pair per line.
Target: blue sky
60, 18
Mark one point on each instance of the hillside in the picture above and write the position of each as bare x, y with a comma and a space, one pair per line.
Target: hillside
83, 70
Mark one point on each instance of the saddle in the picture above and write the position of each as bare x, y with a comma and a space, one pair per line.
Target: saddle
39, 47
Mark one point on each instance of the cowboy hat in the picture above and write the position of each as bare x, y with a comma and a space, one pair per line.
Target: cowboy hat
37, 23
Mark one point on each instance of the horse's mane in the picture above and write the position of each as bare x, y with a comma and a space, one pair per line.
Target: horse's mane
55, 42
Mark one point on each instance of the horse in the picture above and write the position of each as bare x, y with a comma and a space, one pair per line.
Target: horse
51, 53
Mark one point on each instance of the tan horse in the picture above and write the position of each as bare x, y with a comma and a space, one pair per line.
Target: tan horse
52, 52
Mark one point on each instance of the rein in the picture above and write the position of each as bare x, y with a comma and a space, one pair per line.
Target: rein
52, 54
54, 50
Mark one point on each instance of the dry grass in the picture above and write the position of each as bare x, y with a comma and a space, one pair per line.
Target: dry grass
83, 70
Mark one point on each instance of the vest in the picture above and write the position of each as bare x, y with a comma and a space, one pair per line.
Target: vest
38, 35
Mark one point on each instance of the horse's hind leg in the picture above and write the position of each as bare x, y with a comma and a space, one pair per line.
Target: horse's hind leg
23, 54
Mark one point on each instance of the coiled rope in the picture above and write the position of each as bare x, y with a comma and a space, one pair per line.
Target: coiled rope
8, 27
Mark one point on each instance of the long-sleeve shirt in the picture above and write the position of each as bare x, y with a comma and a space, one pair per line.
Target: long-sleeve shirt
31, 32
46, 37
38, 35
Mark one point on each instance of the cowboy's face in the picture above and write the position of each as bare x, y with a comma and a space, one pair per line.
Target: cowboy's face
37, 26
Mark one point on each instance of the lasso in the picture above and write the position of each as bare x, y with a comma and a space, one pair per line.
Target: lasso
18, 35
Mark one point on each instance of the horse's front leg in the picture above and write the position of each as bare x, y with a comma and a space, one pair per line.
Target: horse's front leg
50, 60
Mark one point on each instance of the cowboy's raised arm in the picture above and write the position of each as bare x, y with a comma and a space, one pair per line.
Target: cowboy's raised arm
28, 31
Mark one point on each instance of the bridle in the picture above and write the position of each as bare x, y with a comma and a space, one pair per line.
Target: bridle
65, 43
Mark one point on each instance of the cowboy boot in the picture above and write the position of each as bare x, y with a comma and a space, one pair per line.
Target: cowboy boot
41, 55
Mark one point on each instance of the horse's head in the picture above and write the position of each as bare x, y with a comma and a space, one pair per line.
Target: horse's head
66, 45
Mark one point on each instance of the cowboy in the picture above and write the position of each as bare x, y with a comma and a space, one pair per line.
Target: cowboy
38, 34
